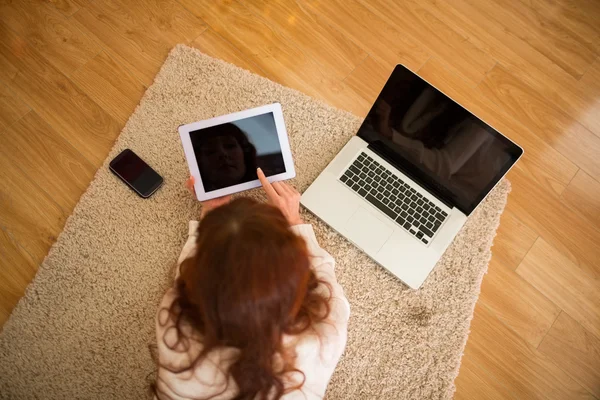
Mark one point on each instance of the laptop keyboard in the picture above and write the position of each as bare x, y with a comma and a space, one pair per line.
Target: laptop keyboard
390, 194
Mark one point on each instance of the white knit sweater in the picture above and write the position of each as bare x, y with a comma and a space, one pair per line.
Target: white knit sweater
317, 355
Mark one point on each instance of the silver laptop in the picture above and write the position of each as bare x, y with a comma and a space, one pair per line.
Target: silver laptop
403, 187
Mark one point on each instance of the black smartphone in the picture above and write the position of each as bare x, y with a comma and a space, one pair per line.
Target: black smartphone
136, 173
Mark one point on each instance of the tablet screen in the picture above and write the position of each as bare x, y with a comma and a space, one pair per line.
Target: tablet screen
228, 154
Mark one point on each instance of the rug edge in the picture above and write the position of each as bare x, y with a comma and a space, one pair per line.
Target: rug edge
478, 283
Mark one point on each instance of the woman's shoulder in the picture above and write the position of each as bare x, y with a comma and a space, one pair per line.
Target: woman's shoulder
323, 343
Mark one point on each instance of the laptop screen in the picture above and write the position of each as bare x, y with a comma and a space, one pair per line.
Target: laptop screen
437, 142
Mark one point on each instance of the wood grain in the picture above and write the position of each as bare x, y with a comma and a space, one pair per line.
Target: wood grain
589, 84
567, 284
590, 81
50, 33
530, 314
47, 160
174, 23
368, 78
513, 241
141, 46
12, 108
548, 36
571, 346
283, 61
578, 19
325, 44
506, 367
548, 122
7, 70
583, 195
521, 60
28, 215
493, 38
57, 100
437, 36
386, 44
111, 86
67, 7
214, 45
17, 268
574, 236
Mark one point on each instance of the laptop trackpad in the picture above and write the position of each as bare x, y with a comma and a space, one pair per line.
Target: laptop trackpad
367, 231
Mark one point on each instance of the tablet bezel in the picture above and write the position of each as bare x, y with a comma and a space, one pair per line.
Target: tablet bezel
184, 134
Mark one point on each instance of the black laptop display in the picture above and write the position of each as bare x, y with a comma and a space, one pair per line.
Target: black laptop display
437, 142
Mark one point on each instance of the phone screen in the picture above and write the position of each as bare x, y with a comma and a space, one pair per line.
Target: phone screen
136, 173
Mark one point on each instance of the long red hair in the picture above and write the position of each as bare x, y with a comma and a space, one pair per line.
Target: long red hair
249, 283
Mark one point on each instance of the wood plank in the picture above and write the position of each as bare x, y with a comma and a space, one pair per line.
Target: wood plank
513, 240
581, 24
540, 209
27, 213
572, 347
548, 122
586, 11
273, 53
589, 84
214, 45
12, 108
174, 23
386, 44
548, 167
564, 282
440, 40
50, 33
583, 195
111, 86
67, 7
493, 38
58, 101
548, 37
317, 39
505, 366
517, 304
17, 269
470, 386
591, 79
368, 79
7, 70
521, 60
139, 50
48, 160
140, 45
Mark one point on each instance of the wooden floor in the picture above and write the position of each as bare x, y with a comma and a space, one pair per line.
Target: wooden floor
72, 71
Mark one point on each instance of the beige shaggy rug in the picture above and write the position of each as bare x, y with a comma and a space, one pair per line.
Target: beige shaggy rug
82, 329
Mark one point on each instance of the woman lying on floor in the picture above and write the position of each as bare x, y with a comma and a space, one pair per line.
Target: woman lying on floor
256, 311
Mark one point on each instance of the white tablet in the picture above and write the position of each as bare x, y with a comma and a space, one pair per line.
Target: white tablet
224, 152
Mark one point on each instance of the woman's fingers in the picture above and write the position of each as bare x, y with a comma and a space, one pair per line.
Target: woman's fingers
271, 193
189, 184
289, 190
190, 181
276, 189
279, 188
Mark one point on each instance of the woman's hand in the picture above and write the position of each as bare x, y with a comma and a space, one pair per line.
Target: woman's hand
284, 197
207, 205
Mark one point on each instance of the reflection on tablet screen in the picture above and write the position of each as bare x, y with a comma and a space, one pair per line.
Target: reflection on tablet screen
228, 154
